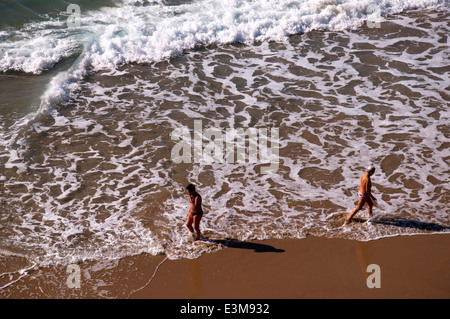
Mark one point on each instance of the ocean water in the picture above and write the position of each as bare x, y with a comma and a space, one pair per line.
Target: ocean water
91, 99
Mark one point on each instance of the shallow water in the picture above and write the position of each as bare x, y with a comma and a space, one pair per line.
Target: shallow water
87, 165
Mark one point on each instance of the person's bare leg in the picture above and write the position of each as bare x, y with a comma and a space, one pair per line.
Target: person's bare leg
189, 222
197, 219
354, 211
369, 208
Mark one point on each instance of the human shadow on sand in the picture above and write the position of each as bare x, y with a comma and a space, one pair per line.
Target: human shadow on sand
256, 247
408, 223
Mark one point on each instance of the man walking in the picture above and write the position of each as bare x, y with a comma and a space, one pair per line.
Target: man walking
364, 194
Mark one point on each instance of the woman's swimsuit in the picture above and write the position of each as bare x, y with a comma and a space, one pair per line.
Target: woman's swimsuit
361, 195
199, 213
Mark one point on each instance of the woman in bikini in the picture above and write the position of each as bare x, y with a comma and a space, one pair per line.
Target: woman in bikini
364, 194
195, 211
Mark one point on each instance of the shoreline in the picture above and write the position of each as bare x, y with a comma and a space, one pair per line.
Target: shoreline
410, 267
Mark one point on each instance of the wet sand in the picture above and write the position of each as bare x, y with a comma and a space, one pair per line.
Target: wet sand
314, 267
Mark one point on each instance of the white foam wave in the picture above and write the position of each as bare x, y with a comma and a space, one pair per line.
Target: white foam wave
144, 34
115, 36
159, 32
35, 55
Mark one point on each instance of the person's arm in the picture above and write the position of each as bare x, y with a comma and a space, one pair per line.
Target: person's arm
198, 204
191, 205
369, 189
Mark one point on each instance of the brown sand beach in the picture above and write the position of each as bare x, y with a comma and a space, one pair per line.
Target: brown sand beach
314, 267
411, 267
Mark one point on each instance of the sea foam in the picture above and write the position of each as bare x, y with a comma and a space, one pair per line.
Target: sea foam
137, 33
94, 167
